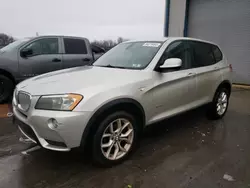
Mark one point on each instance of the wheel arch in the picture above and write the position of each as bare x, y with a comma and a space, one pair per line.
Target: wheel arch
7, 74
225, 84
126, 104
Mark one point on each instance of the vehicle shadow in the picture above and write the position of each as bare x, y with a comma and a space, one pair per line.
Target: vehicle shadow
184, 133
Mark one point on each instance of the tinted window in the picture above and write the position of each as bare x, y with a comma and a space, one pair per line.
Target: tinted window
44, 46
75, 46
217, 54
203, 55
179, 50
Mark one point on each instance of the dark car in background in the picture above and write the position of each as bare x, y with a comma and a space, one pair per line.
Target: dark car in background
30, 57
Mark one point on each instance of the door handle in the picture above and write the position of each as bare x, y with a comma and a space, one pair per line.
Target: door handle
86, 59
56, 60
190, 74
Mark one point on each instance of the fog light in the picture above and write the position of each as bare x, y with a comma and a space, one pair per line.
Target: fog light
52, 123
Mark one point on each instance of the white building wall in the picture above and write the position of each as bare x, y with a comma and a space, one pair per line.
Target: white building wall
176, 18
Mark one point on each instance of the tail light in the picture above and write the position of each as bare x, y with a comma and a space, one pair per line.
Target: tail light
231, 67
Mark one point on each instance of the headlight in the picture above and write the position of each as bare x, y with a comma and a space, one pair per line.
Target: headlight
65, 102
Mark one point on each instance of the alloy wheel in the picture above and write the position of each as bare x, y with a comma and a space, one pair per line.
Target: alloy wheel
117, 139
222, 103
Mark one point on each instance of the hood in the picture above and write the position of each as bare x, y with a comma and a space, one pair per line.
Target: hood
77, 79
3, 54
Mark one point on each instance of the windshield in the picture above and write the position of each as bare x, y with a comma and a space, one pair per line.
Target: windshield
132, 55
13, 45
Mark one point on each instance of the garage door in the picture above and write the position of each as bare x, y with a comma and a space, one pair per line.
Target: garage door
227, 23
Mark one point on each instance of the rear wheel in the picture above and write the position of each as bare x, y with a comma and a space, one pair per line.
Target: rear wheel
219, 105
115, 139
6, 88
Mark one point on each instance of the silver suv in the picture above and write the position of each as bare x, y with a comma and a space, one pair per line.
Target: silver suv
107, 105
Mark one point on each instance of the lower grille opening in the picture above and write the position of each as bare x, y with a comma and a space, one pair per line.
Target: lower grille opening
55, 143
27, 130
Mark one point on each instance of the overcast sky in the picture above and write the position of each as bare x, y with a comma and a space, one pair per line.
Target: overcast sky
94, 19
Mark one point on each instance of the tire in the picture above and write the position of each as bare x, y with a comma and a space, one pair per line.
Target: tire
6, 88
218, 108
113, 141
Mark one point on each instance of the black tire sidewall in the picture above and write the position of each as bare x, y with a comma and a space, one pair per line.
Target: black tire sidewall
213, 110
7, 90
97, 154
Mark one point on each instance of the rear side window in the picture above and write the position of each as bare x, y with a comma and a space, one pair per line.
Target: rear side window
74, 46
217, 54
203, 54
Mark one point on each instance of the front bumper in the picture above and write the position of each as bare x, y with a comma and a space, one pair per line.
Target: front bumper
35, 126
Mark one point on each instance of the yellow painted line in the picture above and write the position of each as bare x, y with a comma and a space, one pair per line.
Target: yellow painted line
241, 86
4, 109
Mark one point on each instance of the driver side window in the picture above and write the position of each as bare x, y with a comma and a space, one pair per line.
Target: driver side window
181, 50
44, 46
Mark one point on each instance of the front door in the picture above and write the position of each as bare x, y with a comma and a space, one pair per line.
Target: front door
174, 89
44, 57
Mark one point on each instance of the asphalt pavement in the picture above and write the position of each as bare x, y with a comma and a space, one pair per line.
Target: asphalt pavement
184, 151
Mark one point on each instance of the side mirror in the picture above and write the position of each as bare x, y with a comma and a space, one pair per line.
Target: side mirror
26, 52
171, 63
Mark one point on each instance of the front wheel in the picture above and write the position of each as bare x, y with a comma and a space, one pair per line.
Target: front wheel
219, 105
115, 139
6, 88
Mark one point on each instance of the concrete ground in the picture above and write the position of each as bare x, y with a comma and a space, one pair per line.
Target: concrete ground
185, 151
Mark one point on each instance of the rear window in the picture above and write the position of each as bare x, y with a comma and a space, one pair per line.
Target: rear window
74, 46
217, 54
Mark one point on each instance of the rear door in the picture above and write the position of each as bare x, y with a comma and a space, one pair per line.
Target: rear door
45, 57
207, 58
77, 52
175, 89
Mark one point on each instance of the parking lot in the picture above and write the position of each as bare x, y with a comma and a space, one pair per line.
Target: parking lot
185, 151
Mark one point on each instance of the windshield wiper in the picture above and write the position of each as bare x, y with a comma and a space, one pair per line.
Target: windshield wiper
111, 66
